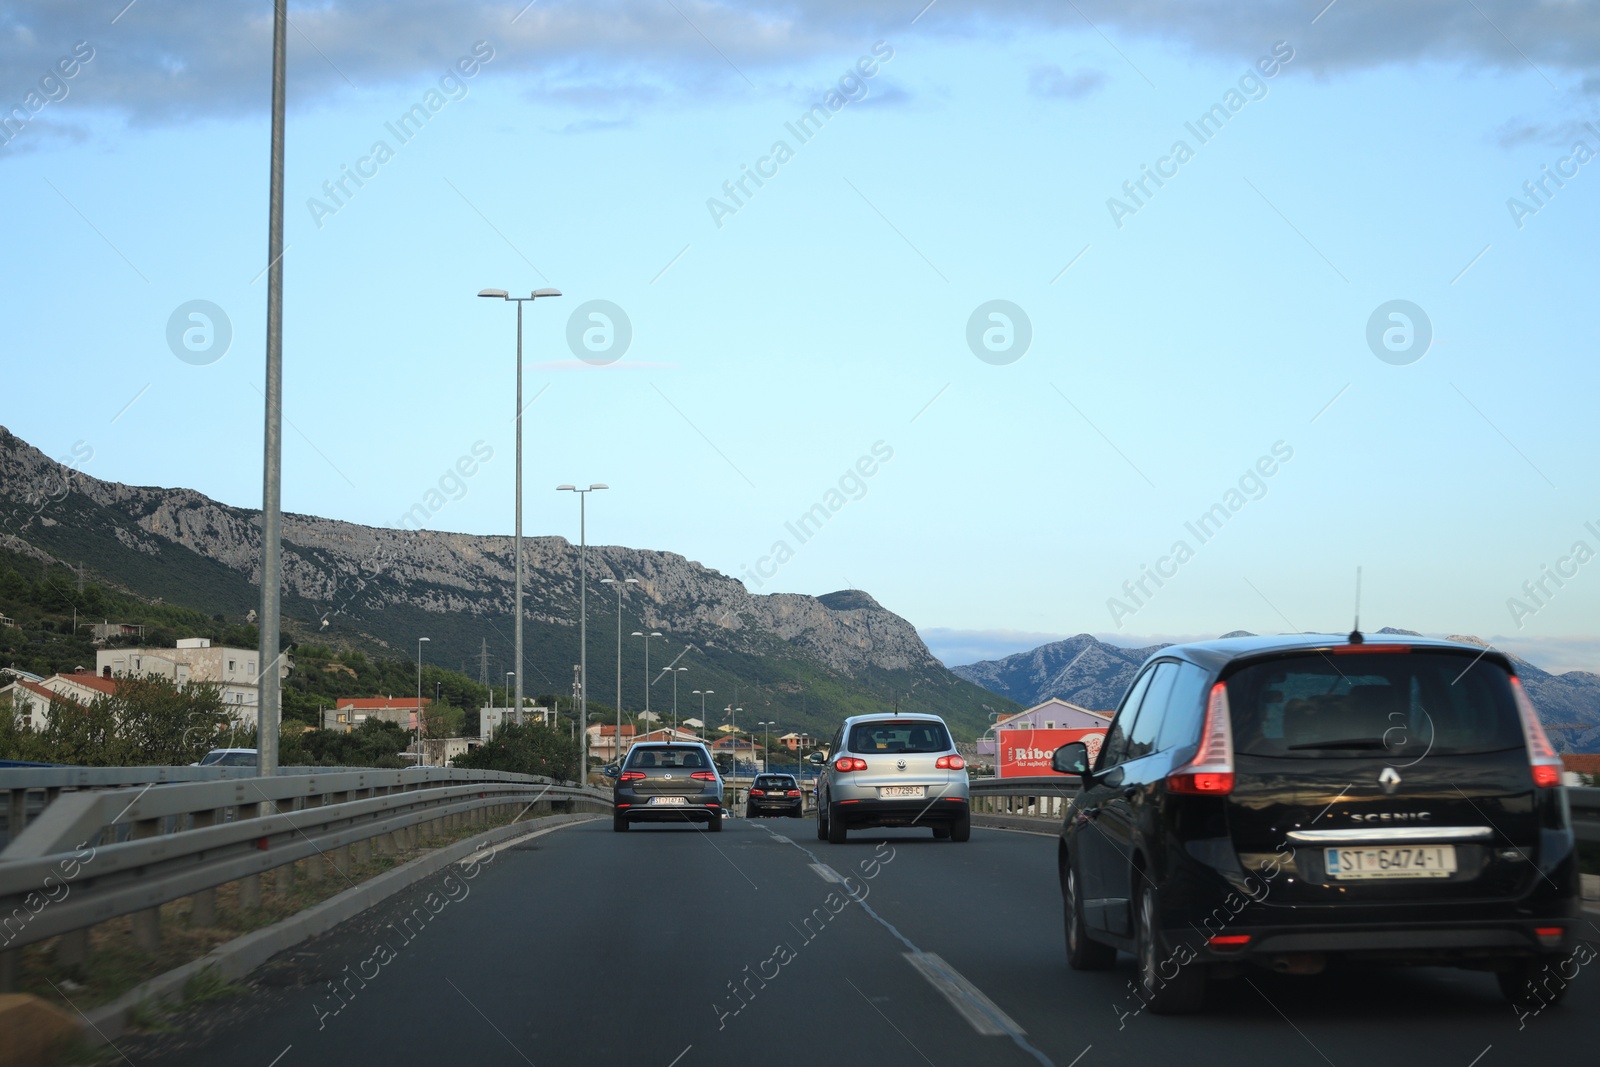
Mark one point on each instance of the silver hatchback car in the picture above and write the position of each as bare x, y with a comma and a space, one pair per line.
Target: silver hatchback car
892, 770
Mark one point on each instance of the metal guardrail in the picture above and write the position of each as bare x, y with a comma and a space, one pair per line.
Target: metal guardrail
94, 855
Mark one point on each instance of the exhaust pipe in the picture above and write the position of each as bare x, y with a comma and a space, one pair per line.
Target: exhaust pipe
1298, 963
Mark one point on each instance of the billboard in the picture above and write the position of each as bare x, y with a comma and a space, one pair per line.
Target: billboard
1028, 752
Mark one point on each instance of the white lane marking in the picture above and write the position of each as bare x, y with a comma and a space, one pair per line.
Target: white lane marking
478, 856
828, 874
984, 1014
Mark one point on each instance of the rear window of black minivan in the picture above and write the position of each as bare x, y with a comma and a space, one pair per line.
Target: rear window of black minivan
1389, 705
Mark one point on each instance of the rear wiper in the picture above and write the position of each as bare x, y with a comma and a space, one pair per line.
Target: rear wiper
1350, 742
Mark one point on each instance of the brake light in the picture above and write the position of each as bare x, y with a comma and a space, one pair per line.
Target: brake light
1542, 758
1229, 941
705, 776
849, 763
629, 776
1211, 770
950, 763
758, 792
792, 793
1345, 650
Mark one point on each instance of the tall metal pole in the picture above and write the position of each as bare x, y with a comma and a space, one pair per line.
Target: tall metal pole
618, 760
583, 640
518, 627
269, 694
419, 701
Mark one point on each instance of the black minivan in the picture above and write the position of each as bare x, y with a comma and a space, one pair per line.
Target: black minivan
1284, 802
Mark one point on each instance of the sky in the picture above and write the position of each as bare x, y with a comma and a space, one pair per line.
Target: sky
1030, 319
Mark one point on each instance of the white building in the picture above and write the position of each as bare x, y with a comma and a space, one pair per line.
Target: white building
196, 659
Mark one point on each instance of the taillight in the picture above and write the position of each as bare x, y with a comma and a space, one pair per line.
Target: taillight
1229, 942
792, 793
629, 776
849, 763
1546, 765
950, 763
758, 792
1211, 770
705, 776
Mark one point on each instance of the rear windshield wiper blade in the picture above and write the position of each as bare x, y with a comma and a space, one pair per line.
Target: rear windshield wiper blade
1349, 742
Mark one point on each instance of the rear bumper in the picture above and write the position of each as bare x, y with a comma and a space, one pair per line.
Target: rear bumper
939, 811
644, 812
1440, 942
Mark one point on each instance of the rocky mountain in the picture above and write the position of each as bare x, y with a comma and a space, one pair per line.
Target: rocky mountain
803, 660
1092, 674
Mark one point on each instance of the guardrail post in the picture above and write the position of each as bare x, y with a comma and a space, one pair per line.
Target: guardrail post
146, 923
72, 951
203, 905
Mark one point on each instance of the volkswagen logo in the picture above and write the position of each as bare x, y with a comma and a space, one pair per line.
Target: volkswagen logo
1389, 779
668, 777
900, 763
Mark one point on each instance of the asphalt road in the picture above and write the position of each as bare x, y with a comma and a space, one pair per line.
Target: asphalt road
670, 947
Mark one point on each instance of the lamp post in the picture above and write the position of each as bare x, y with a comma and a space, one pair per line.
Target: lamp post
647, 637
537, 294
583, 622
702, 694
675, 672
766, 745
619, 585
420, 640
508, 688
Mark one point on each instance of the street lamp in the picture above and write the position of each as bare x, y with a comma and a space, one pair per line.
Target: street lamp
702, 694
420, 640
619, 585
675, 671
583, 621
766, 746
537, 294
647, 637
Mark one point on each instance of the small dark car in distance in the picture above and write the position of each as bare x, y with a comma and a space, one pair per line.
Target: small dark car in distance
667, 783
1290, 802
774, 794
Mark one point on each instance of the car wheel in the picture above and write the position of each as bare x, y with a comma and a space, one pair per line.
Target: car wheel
961, 829
1527, 983
822, 823
1082, 953
836, 828
1168, 984
714, 824
619, 822
941, 833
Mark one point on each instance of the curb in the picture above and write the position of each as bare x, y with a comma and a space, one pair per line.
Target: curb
239, 957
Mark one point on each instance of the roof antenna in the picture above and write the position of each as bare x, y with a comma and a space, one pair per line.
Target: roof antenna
1355, 634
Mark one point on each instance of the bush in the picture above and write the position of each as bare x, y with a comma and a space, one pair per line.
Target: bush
526, 748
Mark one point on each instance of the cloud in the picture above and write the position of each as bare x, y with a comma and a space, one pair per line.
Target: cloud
1051, 82
175, 61
956, 647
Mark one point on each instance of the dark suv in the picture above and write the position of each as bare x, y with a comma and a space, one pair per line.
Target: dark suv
667, 783
1286, 801
774, 794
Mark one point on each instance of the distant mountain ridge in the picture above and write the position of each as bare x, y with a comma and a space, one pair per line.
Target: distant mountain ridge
1093, 674
802, 660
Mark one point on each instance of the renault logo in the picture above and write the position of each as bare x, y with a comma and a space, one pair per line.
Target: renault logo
1389, 779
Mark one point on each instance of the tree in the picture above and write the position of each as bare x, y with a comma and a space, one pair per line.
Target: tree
526, 748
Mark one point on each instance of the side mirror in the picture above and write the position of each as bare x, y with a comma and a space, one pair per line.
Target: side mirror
816, 759
609, 770
1071, 758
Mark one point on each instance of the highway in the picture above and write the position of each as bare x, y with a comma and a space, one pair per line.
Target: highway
671, 947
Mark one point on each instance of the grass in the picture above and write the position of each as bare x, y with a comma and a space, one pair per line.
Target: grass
115, 964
